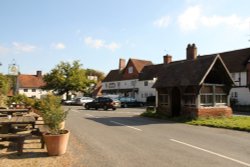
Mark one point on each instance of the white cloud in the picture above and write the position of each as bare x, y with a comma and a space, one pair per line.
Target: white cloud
189, 19
21, 47
58, 46
192, 18
99, 43
162, 22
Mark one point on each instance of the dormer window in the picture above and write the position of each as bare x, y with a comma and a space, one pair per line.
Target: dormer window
130, 70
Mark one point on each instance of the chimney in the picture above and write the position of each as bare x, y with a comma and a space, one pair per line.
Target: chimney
167, 59
191, 52
122, 64
38, 73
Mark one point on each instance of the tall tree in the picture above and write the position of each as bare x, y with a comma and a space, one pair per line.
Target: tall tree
66, 77
4, 89
4, 84
92, 72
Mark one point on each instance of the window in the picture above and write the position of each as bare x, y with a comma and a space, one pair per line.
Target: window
213, 95
33, 90
25, 90
207, 99
221, 98
163, 99
133, 83
145, 83
189, 96
130, 70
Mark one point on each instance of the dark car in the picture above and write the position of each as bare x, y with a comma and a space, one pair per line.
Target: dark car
103, 102
130, 102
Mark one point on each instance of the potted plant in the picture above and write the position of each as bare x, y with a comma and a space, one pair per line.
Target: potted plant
56, 139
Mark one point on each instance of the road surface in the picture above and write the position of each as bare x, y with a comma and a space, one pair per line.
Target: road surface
122, 138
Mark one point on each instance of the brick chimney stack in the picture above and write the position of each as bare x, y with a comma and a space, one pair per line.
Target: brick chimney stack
191, 52
39, 73
122, 64
167, 59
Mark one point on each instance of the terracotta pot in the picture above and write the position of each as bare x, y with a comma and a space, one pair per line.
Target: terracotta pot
56, 144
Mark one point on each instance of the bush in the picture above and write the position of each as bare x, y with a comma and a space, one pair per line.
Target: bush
52, 112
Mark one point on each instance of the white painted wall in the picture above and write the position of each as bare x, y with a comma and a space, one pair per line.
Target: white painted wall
239, 78
145, 91
37, 94
242, 94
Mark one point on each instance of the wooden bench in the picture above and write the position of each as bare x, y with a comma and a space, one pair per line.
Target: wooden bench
17, 138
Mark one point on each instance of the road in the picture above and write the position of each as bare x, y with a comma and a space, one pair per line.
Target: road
122, 138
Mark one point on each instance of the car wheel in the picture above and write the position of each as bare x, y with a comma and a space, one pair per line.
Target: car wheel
87, 107
113, 109
105, 107
125, 105
141, 105
96, 108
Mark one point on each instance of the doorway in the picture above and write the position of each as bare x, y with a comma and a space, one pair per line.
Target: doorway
176, 102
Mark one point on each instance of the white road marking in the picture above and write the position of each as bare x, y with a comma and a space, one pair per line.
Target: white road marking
92, 116
211, 152
126, 125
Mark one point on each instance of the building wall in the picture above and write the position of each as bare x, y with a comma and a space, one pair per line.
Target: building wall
145, 90
32, 92
240, 78
240, 92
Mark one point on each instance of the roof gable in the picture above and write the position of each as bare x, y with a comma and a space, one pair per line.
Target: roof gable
189, 72
118, 75
236, 60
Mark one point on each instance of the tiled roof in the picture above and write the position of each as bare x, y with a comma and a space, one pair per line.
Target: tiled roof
184, 73
113, 75
117, 75
236, 60
139, 64
30, 81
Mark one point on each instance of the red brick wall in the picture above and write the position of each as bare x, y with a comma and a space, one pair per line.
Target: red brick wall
128, 75
208, 112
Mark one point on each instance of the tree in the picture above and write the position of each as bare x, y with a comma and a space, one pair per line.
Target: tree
66, 77
92, 72
4, 89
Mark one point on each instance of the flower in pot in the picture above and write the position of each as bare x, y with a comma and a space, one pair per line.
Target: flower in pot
56, 139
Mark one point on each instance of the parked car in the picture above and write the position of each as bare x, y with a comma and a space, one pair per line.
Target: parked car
69, 102
103, 102
130, 102
83, 100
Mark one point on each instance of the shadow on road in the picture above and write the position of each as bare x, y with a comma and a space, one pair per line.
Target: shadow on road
129, 121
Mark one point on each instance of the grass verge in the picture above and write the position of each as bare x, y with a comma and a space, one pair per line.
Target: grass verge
241, 123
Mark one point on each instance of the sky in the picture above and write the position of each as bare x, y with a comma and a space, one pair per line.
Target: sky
38, 35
